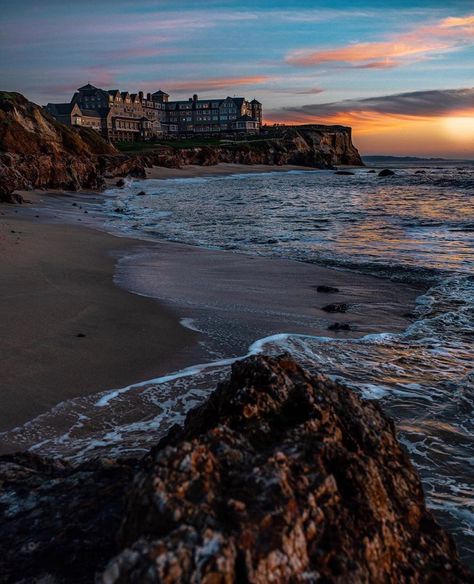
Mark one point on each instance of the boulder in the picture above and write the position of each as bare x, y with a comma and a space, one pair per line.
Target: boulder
386, 172
281, 477
327, 289
11, 198
339, 326
335, 307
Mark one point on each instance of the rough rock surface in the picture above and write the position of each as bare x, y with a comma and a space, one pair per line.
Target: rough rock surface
314, 146
279, 477
36, 151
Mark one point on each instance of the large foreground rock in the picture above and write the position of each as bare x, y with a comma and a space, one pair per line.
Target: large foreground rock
278, 477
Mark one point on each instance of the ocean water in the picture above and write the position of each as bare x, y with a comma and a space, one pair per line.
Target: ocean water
417, 226
418, 220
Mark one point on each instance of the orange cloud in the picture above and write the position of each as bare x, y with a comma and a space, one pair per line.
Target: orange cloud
216, 83
366, 53
444, 35
457, 21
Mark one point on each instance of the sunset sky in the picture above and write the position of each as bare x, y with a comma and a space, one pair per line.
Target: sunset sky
400, 73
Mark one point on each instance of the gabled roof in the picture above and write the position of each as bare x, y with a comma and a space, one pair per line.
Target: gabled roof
159, 92
255, 101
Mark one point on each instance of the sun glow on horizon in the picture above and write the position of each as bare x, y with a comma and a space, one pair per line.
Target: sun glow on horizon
460, 128
447, 136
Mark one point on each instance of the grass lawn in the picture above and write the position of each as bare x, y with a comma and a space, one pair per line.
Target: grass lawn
147, 146
252, 142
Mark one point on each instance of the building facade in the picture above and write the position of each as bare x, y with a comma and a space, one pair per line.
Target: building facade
127, 117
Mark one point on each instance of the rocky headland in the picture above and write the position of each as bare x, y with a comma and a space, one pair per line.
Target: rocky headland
281, 476
36, 151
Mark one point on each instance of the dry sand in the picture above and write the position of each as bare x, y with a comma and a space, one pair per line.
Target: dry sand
192, 171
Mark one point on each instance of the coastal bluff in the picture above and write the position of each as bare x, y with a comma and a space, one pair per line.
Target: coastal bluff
36, 151
280, 476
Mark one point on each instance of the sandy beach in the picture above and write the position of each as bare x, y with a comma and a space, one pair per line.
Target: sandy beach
57, 283
222, 169
68, 330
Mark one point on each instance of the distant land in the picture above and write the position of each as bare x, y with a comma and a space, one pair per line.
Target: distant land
411, 159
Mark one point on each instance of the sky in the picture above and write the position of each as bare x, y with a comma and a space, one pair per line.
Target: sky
401, 73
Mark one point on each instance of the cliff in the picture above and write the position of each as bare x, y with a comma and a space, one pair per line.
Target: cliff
36, 151
279, 477
313, 146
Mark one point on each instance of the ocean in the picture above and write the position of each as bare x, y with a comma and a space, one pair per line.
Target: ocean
414, 227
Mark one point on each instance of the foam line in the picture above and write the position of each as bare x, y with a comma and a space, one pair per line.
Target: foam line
255, 348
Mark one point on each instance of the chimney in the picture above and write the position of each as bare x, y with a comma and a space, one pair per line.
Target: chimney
140, 95
195, 97
148, 96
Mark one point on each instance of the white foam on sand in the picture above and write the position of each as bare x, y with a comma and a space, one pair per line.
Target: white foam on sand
255, 348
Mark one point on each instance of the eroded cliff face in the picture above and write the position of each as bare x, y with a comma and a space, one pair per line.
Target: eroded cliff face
312, 146
36, 151
279, 477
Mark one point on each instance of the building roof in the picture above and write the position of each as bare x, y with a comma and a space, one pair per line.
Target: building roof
87, 87
238, 101
255, 101
60, 109
93, 113
159, 92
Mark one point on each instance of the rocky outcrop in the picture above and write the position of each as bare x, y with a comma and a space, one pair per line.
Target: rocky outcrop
36, 151
279, 477
313, 146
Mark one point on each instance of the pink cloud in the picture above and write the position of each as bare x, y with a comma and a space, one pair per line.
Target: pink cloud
444, 35
216, 83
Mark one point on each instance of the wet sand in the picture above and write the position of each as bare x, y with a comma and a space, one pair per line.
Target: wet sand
237, 299
57, 283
